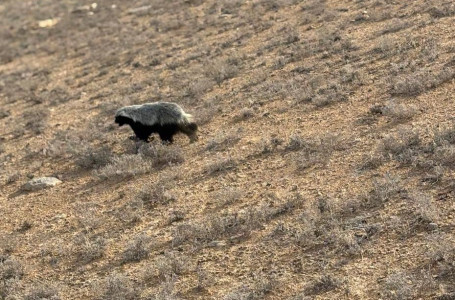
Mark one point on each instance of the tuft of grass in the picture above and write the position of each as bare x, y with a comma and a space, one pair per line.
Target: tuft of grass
396, 145
322, 285
89, 250
399, 113
198, 88
244, 114
155, 194
124, 166
219, 165
11, 272
220, 70
222, 142
161, 155
383, 190
394, 25
117, 287
420, 81
137, 249
227, 196
42, 292
397, 286
171, 264
91, 158
258, 289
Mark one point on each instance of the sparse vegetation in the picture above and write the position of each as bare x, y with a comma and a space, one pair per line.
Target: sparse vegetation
124, 166
324, 166
137, 249
117, 287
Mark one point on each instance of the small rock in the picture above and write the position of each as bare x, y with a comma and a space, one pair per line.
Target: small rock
41, 183
433, 226
140, 10
48, 22
214, 244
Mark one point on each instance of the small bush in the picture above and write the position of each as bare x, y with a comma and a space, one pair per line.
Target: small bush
397, 144
384, 189
228, 196
94, 158
222, 142
171, 264
124, 166
42, 292
322, 285
137, 250
399, 113
35, 120
395, 25
117, 287
221, 71
197, 88
445, 155
220, 164
10, 269
397, 286
155, 194
161, 155
89, 250
420, 81
244, 114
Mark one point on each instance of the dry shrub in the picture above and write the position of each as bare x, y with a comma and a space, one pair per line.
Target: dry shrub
311, 152
322, 285
398, 286
244, 114
197, 88
117, 287
399, 113
420, 81
11, 272
394, 25
156, 194
124, 166
445, 155
232, 225
42, 291
35, 120
161, 155
222, 142
220, 70
171, 264
258, 289
138, 249
220, 164
88, 250
383, 190
90, 158
228, 196
397, 144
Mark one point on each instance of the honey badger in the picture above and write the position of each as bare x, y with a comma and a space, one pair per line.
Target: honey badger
164, 118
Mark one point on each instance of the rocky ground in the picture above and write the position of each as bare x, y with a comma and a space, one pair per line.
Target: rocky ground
324, 168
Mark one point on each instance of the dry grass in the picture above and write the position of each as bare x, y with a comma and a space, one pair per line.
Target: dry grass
326, 148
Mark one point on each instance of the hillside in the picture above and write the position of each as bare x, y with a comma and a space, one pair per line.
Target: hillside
325, 166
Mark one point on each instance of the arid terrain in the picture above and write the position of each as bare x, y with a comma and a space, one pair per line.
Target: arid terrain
325, 166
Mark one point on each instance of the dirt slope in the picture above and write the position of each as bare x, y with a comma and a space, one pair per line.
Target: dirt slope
324, 167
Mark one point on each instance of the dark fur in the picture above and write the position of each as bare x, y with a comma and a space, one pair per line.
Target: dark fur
166, 132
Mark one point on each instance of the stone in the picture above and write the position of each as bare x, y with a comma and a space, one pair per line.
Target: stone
41, 183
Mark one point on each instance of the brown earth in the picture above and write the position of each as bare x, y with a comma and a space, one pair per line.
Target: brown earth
324, 167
